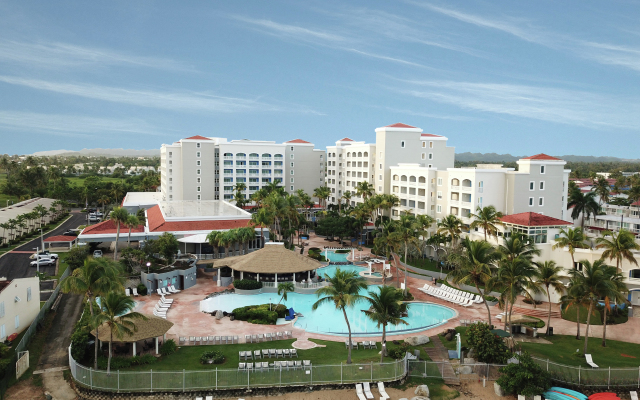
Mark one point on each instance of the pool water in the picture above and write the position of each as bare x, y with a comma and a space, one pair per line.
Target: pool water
336, 257
331, 269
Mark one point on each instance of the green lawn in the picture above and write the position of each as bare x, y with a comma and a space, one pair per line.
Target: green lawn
437, 389
462, 330
77, 181
5, 197
596, 318
563, 351
426, 264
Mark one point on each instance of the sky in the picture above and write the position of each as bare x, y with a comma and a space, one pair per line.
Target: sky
493, 76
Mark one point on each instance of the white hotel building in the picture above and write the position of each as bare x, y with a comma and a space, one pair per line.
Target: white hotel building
419, 169
208, 168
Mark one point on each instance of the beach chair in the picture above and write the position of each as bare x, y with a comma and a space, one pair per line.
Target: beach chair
192, 339
279, 335
241, 355
182, 340
235, 339
279, 353
199, 339
294, 352
135, 291
298, 364
265, 365
241, 366
272, 353
247, 339
164, 292
367, 390
634, 395
276, 364
260, 338
228, 339
159, 291
198, 398
250, 366
208, 398
258, 366
256, 354
290, 364
164, 300
360, 392
288, 334
254, 338
216, 340
383, 393
286, 353
268, 336
173, 289
373, 345
364, 345
265, 353
306, 364
590, 361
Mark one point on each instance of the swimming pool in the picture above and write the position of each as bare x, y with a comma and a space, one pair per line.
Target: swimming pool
335, 257
331, 269
327, 320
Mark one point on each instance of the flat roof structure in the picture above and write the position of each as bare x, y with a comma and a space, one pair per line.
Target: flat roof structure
141, 199
200, 209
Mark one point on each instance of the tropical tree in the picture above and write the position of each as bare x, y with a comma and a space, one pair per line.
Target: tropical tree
130, 223
404, 232
602, 189
476, 266
574, 298
214, 240
226, 240
115, 314
488, 219
283, 289
343, 292
386, 307
322, 193
518, 245
617, 279
261, 218
119, 216
96, 277
450, 226
514, 277
41, 212
239, 196
619, 247
572, 239
584, 205
364, 189
103, 201
549, 277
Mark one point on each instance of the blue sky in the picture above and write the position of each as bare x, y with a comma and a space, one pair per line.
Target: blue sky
493, 76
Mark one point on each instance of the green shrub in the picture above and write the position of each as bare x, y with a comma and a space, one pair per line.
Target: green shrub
314, 250
142, 290
490, 298
397, 353
526, 377
247, 284
489, 347
538, 324
126, 362
342, 251
215, 355
260, 314
168, 347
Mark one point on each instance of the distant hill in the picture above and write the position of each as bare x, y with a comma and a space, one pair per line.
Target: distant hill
495, 157
100, 152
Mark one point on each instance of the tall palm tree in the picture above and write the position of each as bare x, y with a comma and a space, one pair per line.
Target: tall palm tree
42, 212
451, 226
476, 267
247, 234
574, 298
283, 289
364, 189
593, 282
405, 233
97, 276
386, 307
619, 247
227, 239
572, 239
322, 193
549, 277
119, 216
115, 314
518, 245
103, 201
515, 277
617, 279
131, 222
488, 219
584, 205
214, 238
262, 218
343, 292
602, 189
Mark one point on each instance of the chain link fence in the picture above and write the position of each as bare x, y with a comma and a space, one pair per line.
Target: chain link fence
597, 377
446, 370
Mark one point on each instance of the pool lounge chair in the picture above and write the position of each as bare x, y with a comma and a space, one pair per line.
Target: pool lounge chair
135, 291
363, 344
265, 353
279, 335
634, 395
290, 317
261, 338
199, 339
247, 339
208, 398
192, 339
254, 338
256, 354
216, 340
373, 345
174, 289
235, 339
290, 364
165, 300
293, 353
268, 336
279, 353
250, 366
367, 390
165, 292
590, 361
159, 292
127, 292
298, 364
182, 340
383, 393
306, 364
360, 392
272, 353
265, 365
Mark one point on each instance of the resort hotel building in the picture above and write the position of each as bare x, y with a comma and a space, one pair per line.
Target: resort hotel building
208, 168
419, 169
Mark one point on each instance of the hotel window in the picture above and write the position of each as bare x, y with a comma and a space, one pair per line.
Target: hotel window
439, 181
170, 197
402, 144
423, 156
541, 201
532, 185
542, 169
170, 154
430, 165
291, 165
291, 180
3, 332
380, 189
291, 148
424, 144
17, 321
379, 177
199, 198
199, 187
380, 166
198, 154
170, 171
439, 194
541, 185
291, 188
530, 201
439, 208
291, 156
431, 145
198, 145
291, 172
170, 162
198, 163
198, 180
170, 179
197, 172
430, 156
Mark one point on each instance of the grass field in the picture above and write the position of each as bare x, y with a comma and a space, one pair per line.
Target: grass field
596, 318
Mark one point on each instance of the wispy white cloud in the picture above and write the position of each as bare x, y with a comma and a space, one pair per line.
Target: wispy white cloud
57, 55
72, 125
430, 115
611, 54
177, 101
570, 107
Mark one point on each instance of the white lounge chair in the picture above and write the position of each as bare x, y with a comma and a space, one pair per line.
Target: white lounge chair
159, 291
367, 390
634, 395
173, 289
127, 292
383, 393
165, 300
590, 361
360, 392
165, 291
208, 398
135, 292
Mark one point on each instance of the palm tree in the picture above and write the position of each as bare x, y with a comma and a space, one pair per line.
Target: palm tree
451, 226
404, 233
518, 245
226, 240
602, 189
119, 216
247, 234
574, 298
41, 212
5, 226
477, 264
239, 196
283, 289
364, 189
617, 279
214, 239
572, 239
131, 222
619, 247
261, 218
118, 190
584, 204
386, 307
322, 193
487, 218
549, 277
116, 315
343, 291
104, 200
96, 277
593, 282
515, 277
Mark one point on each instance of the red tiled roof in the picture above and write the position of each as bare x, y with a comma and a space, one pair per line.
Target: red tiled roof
109, 226
533, 219
399, 125
196, 137
430, 135
298, 141
60, 238
541, 156
637, 203
345, 140
158, 224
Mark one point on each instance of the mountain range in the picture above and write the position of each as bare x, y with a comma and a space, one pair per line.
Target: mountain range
494, 157
100, 152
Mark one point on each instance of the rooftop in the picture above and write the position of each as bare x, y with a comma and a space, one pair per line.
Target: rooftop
197, 137
298, 141
273, 258
60, 238
189, 209
430, 135
157, 222
400, 125
345, 140
136, 199
542, 156
533, 219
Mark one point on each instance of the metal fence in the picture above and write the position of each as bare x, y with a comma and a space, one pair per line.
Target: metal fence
582, 376
216, 378
446, 370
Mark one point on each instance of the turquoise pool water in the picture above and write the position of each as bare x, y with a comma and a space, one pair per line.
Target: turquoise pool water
336, 257
331, 269
327, 320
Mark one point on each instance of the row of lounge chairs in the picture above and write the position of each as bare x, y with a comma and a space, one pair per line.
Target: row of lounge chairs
364, 391
365, 345
132, 291
166, 291
162, 307
267, 336
196, 340
275, 353
452, 295
276, 364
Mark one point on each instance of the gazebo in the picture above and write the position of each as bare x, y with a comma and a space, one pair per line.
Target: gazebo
152, 327
272, 263
60, 239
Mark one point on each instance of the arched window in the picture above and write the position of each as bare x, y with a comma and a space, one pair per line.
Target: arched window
412, 179
366, 154
253, 155
240, 155
422, 179
395, 177
266, 155
466, 183
359, 154
228, 154
403, 178
455, 182
278, 156
348, 154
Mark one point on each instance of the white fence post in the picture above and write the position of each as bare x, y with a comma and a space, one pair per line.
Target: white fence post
341, 374
579, 370
118, 381
639, 376
609, 382
248, 383
371, 371
216, 378
91, 378
547, 365
184, 378
151, 379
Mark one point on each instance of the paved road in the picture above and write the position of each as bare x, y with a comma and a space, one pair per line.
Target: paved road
55, 352
16, 265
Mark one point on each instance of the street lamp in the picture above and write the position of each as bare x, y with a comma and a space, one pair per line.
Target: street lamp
148, 265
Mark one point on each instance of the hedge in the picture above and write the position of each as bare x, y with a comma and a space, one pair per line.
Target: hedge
260, 314
247, 284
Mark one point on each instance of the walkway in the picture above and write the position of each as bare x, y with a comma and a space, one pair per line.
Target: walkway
440, 353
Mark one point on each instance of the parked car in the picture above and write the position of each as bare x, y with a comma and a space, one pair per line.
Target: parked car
97, 254
99, 214
45, 254
70, 232
94, 219
43, 262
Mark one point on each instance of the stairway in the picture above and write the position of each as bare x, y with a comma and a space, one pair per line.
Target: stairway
540, 312
440, 354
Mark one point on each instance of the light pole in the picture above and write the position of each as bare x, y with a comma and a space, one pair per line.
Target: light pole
148, 265
41, 239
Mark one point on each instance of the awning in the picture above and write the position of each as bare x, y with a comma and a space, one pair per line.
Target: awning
197, 238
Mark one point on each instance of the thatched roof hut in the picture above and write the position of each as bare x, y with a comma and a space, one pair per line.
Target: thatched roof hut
152, 327
274, 258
